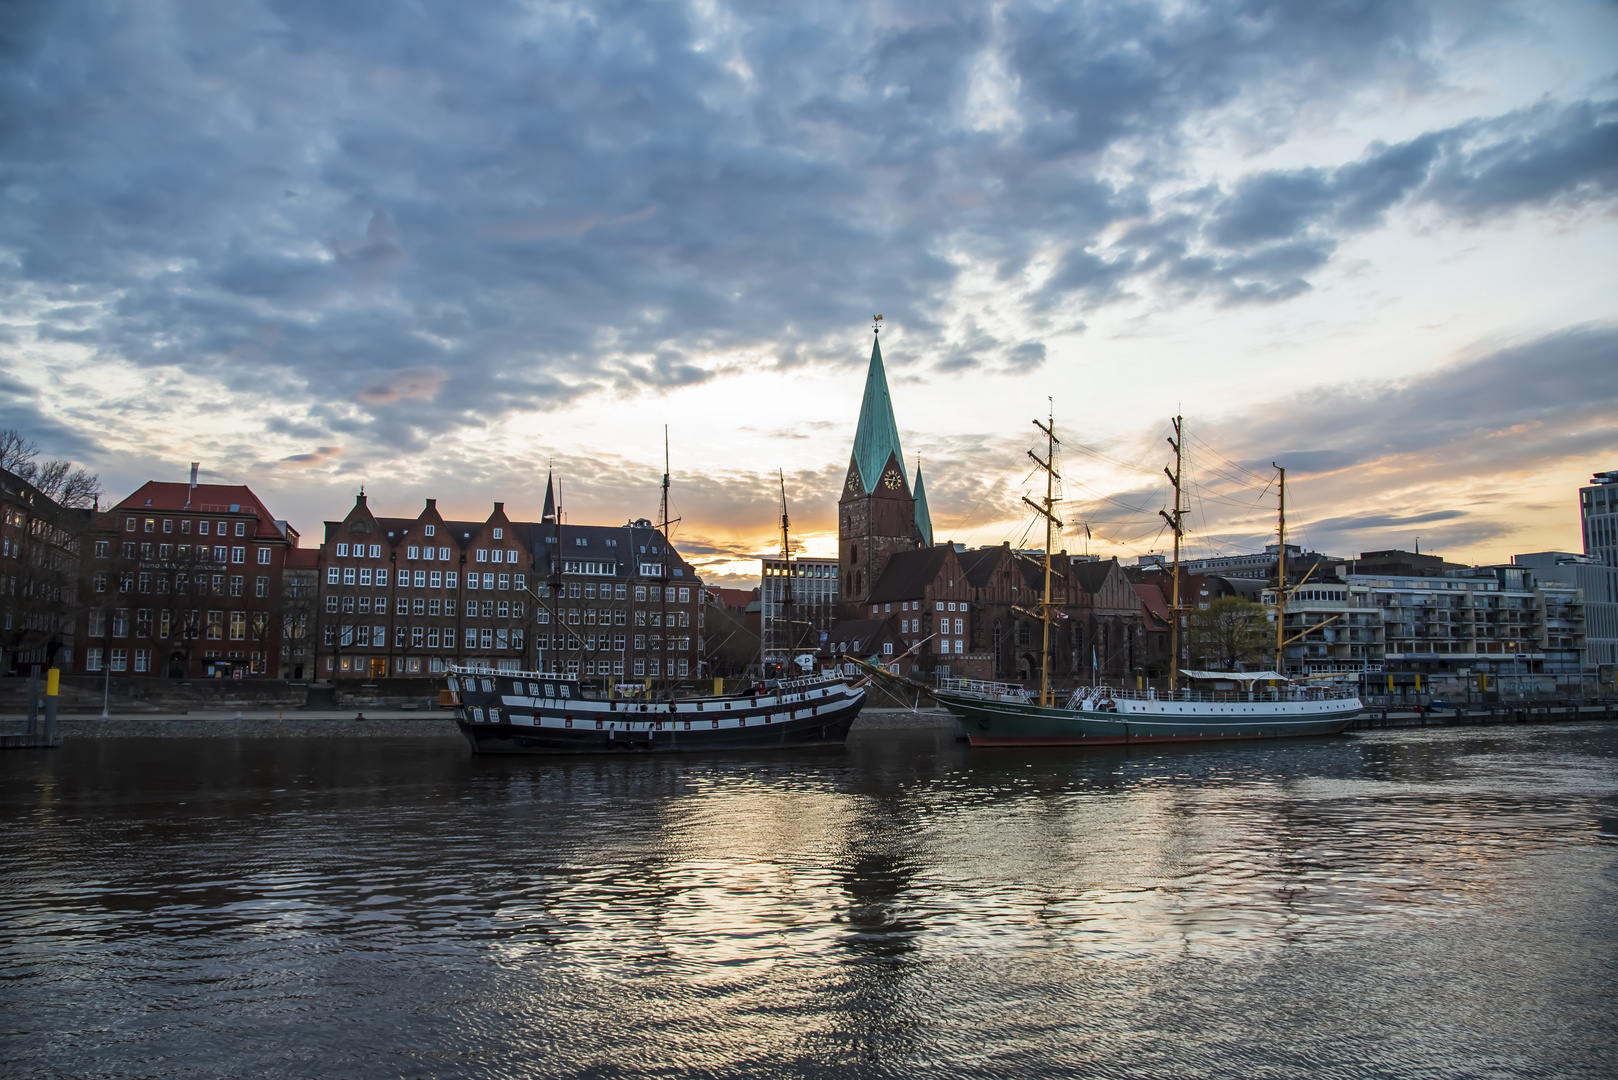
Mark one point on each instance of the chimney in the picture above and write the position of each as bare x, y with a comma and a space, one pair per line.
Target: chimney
432, 504
499, 508
193, 490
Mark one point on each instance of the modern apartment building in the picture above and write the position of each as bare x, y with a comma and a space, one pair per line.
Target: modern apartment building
1599, 585
1598, 511
790, 629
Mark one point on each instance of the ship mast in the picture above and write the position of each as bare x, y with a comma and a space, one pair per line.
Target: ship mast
1280, 566
663, 608
1177, 524
1051, 525
784, 624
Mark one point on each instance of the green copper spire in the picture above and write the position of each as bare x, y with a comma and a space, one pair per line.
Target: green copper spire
924, 520
877, 435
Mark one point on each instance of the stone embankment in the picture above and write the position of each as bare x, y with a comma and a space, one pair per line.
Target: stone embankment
283, 723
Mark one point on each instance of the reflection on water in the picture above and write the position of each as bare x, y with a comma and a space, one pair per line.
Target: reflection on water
1394, 903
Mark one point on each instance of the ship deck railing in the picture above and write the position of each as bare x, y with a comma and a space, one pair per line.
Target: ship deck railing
1018, 692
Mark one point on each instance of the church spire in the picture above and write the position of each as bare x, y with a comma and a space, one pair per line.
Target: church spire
877, 436
924, 520
549, 512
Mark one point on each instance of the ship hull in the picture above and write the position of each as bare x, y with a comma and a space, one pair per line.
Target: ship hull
989, 722
505, 719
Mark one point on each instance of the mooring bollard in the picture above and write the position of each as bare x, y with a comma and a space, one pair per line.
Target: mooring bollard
53, 682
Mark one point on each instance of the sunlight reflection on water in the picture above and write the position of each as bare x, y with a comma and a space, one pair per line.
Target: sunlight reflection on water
312, 907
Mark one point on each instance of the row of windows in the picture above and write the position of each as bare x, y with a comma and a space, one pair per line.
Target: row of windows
422, 579
920, 605
212, 625
179, 582
150, 525
406, 605
913, 626
655, 594
617, 643
429, 637
220, 553
608, 616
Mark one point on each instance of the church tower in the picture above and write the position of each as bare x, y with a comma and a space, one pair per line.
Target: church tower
877, 514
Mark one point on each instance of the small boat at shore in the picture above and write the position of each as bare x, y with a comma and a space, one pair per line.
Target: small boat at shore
526, 712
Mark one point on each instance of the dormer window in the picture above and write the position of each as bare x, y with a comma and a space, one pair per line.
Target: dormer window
427, 530
499, 533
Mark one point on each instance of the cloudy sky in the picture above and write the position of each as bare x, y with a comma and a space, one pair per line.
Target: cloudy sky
434, 248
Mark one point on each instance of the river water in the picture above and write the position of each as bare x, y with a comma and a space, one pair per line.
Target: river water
1399, 903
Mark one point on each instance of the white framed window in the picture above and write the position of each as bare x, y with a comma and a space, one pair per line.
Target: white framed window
449, 580
488, 581
202, 528
120, 659
92, 659
421, 579
499, 532
640, 666
428, 530
471, 637
435, 579
471, 580
481, 556
382, 577
261, 586
685, 668
331, 575
263, 555
428, 553
685, 596
342, 549
143, 660
432, 637
505, 581
365, 575
443, 554
348, 575
376, 551
412, 552
129, 525
887, 648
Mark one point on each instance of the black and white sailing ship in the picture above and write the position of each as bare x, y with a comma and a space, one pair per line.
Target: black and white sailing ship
544, 713
538, 712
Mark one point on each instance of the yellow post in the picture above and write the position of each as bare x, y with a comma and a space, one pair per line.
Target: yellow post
53, 682
718, 685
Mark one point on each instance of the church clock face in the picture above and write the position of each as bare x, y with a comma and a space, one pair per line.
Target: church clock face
854, 481
891, 480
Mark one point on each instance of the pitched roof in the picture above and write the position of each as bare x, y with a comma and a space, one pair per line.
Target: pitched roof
877, 436
205, 499
1151, 598
924, 520
908, 574
858, 635
979, 563
1092, 575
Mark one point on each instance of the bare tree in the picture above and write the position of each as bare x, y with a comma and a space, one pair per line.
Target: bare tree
1228, 631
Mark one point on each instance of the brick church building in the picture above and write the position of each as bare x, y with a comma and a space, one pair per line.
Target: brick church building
938, 610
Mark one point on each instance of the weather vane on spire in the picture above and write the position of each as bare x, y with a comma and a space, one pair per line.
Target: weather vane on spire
876, 329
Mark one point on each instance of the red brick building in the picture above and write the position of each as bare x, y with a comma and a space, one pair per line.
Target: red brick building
411, 597
185, 581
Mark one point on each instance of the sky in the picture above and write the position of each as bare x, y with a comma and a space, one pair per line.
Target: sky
436, 250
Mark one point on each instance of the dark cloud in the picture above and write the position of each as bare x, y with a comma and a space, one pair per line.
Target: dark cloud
549, 202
